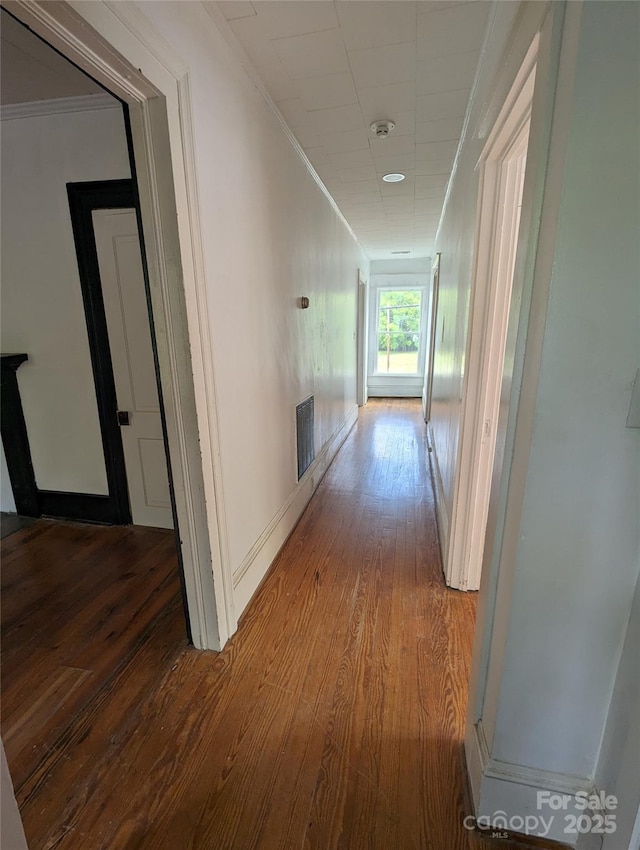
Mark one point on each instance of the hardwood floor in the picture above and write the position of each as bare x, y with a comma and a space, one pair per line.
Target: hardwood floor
332, 719
78, 602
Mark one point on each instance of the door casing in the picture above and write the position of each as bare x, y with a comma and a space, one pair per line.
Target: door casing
501, 167
111, 42
83, 199
362, 337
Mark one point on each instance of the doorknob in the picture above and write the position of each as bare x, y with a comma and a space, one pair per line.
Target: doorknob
123, 417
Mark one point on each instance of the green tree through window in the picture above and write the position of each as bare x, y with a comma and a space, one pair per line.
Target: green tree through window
399, 330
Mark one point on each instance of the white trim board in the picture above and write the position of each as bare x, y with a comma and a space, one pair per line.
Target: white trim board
397, 389
502, 790
58, 106
362, 331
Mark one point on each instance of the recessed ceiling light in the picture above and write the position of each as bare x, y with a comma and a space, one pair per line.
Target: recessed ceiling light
393, 178
401, 252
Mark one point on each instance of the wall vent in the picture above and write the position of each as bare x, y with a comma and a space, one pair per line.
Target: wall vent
304, 435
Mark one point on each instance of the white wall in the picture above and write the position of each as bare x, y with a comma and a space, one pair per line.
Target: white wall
42, 312
419, 265
577, 561
269, 237
565, 554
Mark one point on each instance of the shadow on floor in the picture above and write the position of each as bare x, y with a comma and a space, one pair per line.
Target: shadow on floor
10, 523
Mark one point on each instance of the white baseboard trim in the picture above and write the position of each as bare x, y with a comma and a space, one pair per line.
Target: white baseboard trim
255, 565
475, 761
504, 794
394, 389
442, 517
393, 393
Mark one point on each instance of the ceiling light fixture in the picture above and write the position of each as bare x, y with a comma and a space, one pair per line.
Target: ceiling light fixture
382, 128
394, 177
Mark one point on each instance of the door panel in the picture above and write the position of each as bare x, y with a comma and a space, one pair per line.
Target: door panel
125, 305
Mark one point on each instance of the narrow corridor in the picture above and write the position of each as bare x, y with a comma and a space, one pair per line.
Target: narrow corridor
332, 719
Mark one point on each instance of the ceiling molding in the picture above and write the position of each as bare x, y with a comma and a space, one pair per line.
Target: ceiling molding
58, 106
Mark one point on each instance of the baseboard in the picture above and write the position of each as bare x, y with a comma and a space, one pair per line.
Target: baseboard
505, 794
255, 565
394, 391
442, 518
475, 759
78, 507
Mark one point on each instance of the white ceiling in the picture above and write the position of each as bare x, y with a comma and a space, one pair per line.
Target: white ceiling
31, 70
335, 67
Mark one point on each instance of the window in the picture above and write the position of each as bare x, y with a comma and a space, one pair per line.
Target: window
399, 331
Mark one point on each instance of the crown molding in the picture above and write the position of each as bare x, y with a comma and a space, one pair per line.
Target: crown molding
58, 106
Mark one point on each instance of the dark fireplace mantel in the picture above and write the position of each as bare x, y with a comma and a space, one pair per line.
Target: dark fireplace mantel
30, 500
12, 361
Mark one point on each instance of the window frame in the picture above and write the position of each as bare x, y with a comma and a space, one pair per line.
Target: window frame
373, 331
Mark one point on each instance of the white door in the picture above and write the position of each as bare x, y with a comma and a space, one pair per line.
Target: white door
125, 305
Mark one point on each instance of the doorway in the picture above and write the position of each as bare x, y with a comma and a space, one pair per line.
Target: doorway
502, 170
113, 286
79, 600
62, 446
163, 161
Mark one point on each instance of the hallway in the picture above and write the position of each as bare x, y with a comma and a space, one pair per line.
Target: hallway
332, 719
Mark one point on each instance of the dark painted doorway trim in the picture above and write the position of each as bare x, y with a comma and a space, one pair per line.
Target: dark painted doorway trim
83, 199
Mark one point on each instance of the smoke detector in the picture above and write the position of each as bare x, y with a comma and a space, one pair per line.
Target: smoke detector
382, 128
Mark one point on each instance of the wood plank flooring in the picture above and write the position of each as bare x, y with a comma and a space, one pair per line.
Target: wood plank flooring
332, 720
77, 603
